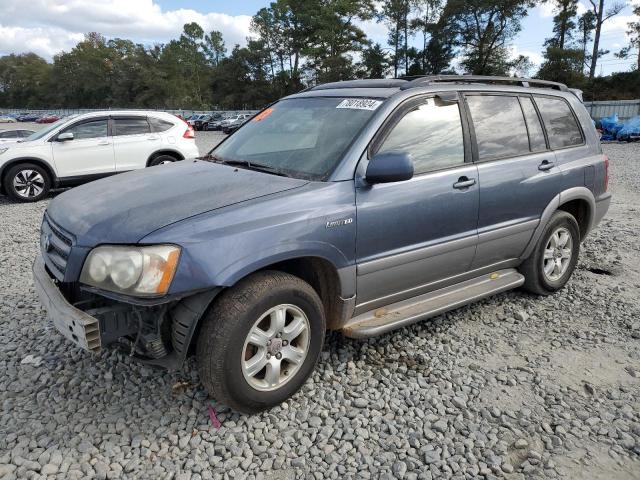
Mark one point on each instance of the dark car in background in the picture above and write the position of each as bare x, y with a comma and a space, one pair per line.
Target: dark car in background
28, 117
236, 123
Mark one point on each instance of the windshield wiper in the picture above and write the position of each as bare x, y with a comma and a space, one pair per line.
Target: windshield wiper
253, 166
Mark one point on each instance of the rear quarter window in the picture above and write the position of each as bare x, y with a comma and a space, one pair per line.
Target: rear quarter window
560, 122
158, 125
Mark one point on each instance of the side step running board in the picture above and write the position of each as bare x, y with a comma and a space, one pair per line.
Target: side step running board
406, 312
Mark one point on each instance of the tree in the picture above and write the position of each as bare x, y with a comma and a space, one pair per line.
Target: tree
634, 39
214, 47
586, 24
563, 22
375, 62
483, 28
426, 22
23, 80
395, 14
600, 17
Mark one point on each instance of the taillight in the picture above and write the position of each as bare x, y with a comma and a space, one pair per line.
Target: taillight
606, 173
189, 133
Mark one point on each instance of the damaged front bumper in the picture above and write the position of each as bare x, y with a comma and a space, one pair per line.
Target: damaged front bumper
156, 334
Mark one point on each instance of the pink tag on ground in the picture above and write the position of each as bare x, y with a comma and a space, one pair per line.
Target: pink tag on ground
212, 416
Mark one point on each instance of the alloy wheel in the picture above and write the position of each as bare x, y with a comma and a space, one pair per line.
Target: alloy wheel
28, 183
557, 254
275, 347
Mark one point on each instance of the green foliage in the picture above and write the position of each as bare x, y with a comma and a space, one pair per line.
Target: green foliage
297, 43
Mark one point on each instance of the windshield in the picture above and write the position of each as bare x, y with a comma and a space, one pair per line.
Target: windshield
42, 133
302, 137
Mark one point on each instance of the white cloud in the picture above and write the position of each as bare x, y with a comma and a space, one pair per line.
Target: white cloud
49, 26
548, 9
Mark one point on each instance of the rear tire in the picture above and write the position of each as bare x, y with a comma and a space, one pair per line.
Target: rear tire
27, 182
161, 160
551, 264
260, 341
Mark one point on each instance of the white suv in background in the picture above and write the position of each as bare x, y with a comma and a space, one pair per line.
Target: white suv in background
81, 148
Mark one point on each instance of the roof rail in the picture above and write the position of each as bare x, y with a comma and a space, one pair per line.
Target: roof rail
368, 83
424, 80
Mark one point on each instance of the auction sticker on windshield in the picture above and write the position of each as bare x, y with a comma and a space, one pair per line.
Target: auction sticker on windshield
360, 103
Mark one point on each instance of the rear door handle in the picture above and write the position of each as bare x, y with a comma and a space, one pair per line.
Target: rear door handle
153, 138
464, 182
104, 142
545, 165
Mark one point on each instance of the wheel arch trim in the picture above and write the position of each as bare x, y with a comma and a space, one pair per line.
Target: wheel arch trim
574, 193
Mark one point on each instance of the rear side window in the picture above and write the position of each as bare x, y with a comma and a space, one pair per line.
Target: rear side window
499, 126
562, 128
431, 134
536, 136
131, 126
158, 125
8, 135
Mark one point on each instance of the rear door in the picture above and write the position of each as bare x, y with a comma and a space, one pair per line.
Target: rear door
133, 142
517, 172
414, 236
90, 153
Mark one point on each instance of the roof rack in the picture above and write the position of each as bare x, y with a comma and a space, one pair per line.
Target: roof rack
370, 83
424, 80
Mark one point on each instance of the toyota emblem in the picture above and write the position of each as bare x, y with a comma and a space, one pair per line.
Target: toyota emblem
46, 242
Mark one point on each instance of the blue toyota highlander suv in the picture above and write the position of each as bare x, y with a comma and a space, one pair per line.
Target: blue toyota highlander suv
358, 206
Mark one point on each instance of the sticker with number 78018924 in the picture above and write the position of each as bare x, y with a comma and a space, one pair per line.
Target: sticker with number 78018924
360, 103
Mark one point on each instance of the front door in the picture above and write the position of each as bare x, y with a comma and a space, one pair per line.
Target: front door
415, 236
89, 153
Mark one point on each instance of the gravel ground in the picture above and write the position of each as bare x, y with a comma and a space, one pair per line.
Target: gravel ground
513, 387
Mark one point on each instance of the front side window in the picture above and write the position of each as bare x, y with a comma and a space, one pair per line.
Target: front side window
562, 128
93, 129
431, 134
300, 137
131, 126
499, 126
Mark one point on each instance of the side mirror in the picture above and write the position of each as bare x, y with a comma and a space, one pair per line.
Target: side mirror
63, 137
389, 167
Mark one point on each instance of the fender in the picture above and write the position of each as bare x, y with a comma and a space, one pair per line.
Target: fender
574, 193
222, 271
163, 151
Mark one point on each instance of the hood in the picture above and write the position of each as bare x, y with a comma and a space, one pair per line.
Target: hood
124, 208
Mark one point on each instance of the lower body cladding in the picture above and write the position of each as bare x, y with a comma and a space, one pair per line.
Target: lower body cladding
156, 334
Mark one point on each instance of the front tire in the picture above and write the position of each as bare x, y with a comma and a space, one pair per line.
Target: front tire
551, 264
27, 182
260, 341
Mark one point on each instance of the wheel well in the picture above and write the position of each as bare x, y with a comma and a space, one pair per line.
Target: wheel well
581, 212
323, 278
171, 153
35, 161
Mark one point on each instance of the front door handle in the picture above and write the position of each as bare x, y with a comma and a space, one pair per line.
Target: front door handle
545, 165
104, 142
464, 182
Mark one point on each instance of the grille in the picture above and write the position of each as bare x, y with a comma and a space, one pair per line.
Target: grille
56, 247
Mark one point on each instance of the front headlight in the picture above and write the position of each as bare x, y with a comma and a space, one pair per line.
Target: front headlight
139, 271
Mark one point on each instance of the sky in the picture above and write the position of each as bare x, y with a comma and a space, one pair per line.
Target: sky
47, 27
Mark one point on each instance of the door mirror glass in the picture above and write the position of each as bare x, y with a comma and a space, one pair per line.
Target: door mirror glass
64, 137
389, 167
